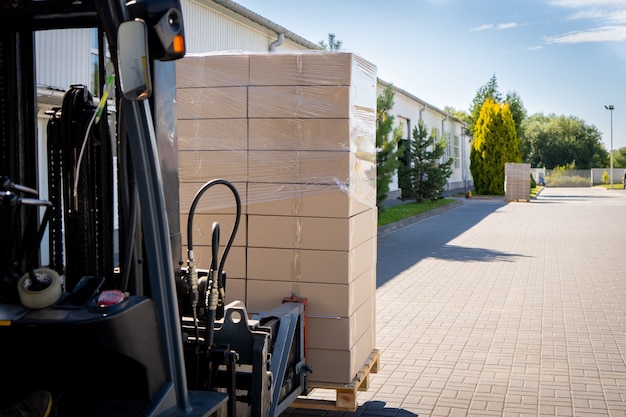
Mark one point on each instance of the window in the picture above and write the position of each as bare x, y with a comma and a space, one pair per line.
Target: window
405, 123
457, 152
94, 85
449, 148
406, 137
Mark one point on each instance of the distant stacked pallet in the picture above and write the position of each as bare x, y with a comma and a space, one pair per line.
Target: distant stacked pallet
295, 132
516, 181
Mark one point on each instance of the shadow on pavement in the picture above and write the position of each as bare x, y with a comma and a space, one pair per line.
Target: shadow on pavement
378, 408
403, 248
463, 254
367, 409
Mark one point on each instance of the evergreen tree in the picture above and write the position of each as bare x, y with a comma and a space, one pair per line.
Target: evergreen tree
490, 91
333, 44
386, 143
486, 92
518, 111
495, 143
425, 174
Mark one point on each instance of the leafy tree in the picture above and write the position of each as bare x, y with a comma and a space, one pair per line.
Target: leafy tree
562, 140
619, 158
333, 44
426, 175
518, 111
495, 143
490, 91
387, 139
459, 114
486, 92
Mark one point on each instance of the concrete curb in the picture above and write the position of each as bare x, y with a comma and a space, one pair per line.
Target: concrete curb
388, 228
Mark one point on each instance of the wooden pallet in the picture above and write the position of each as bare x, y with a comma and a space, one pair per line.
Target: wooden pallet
345, 393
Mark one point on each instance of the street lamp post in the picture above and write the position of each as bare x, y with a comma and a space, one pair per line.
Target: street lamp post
610, 107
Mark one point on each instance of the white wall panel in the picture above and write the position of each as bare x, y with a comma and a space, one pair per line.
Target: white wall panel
63, 57
406, 107
207, 30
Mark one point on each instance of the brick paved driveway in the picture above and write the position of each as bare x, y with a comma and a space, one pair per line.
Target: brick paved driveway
503, 309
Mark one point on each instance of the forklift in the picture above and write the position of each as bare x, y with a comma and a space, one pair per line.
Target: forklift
114, 323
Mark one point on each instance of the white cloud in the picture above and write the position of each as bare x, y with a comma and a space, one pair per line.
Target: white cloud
482, 27
586, 3
535, 48
588, 14
507, 25
602, 34
612, 14
499, 26
618, 16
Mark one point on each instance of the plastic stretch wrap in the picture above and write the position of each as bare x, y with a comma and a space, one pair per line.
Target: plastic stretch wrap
295, 133
288, 126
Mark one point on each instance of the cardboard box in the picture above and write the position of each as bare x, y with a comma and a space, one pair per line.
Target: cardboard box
211, 103
203, 226
306, 68
218, 199
327, 300
202, 166
213, 135
309, 200
313, 102
342, 333
213, 70
289, 232
300, 167
300, 134
235, 289
341, 366
234, 266
323, 266
516, 181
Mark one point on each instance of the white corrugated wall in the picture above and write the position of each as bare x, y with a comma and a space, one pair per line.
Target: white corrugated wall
207, 30
63, 57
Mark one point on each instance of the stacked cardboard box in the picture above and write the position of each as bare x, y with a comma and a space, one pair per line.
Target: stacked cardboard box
295, 132
213, 143
516, 181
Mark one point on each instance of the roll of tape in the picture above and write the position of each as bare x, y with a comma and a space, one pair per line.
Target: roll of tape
43, 293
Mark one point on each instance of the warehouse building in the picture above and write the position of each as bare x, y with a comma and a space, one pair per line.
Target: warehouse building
224, 25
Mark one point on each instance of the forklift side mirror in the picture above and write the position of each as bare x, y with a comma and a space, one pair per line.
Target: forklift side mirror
132, 59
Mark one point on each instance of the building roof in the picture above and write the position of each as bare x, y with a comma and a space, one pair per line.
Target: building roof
260, 20
420, 101
256, 18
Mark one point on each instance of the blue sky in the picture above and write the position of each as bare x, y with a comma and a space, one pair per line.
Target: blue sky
566, 57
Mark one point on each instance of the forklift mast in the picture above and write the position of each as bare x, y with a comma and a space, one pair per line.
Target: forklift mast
116, 325
141, 335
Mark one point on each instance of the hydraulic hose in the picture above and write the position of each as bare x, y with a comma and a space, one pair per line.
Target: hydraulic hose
192, 211
216, 268
7, 185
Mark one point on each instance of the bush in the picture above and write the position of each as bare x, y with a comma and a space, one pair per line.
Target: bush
567, 181
533, 183
605, 178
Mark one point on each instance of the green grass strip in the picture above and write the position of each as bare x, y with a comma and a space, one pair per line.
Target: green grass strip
396, 213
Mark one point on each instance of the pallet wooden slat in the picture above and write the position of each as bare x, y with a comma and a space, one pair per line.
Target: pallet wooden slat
345, 393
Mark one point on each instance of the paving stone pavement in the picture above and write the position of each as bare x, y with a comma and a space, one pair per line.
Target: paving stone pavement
503, 309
